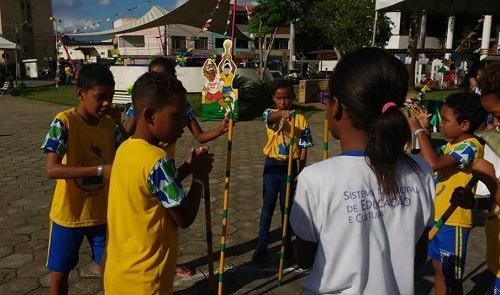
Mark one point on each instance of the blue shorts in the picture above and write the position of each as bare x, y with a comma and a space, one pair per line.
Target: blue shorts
65, 242
450, 247
495, 284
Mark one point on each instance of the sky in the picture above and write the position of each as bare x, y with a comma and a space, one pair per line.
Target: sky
76, 14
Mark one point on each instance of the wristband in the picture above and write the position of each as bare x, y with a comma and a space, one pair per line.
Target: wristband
418, 131
99, 170
198, 181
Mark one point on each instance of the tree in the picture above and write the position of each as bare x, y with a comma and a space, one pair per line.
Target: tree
267, 16
346, 24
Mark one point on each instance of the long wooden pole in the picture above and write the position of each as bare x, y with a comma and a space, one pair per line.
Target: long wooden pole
287, 197
208, 226
226, 203
439, 224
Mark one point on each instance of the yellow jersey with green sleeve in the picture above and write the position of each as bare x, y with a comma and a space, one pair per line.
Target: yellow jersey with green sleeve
142, 239
492, 230
278, 141
466, 152
81, 201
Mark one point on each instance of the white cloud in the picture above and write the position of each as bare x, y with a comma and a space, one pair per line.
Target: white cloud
104, 2
66, 3
180, 2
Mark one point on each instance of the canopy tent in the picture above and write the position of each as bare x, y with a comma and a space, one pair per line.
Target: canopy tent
451, 7
195, 13
6, 44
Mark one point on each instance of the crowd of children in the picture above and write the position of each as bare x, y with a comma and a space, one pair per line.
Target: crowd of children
364, 228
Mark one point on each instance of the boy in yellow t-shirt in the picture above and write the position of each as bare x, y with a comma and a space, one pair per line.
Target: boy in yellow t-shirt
276, 163
147, 203
461, 114
80, 148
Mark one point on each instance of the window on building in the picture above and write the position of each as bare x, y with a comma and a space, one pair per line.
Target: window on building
280, 43
241, 44
131, 41
178, 43
201, 43
219, 42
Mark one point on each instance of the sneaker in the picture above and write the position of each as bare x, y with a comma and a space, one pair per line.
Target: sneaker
259, 255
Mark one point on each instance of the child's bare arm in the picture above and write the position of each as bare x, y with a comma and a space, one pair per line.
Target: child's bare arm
201, 163
203, 137
485, 172
54, 169
302, 158
427, 152
423, 116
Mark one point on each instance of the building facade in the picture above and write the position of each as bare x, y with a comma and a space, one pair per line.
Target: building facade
26, 22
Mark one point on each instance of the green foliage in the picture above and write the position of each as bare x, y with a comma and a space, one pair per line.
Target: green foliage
61, 95
346, 24
269, 14
254, 98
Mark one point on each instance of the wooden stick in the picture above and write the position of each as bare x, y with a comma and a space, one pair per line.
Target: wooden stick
439, 224
325, 138
226, 203
208, 226
287, 198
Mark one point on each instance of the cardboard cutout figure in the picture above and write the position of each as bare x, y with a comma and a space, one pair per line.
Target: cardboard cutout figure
218, 96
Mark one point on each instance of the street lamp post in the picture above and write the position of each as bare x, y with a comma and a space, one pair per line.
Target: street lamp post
16, 50
57, 70
55, 21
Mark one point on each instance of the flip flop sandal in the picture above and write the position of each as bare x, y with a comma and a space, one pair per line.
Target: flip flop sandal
183, 271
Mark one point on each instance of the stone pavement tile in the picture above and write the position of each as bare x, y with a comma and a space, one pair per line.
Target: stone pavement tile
19, 286
7, 274
32, 270
26, 193
31, 246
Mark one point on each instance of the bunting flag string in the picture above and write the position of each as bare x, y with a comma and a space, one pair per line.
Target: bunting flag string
208, 23
229, 14
108, 19
472, 33
250, 34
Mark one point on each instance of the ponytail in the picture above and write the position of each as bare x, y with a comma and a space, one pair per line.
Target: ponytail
372, 85
387, 136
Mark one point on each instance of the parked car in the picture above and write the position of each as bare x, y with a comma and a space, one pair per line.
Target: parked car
294, 76
321, 75
276, 74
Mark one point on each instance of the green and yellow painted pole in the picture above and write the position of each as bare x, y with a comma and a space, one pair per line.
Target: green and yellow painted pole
325, 138
289, 181
226, 202
439, 224
208, 226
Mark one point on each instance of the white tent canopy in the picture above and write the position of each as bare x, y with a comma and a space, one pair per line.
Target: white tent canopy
6, 44
450, 7
142, 23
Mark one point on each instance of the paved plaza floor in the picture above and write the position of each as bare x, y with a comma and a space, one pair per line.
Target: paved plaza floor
26, 193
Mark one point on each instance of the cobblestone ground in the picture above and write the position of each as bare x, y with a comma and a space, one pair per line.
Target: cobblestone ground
25, 196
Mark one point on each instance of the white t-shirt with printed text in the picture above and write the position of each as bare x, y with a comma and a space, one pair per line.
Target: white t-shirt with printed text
366, 242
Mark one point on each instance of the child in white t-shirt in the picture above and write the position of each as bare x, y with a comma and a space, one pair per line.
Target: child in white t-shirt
360, 218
